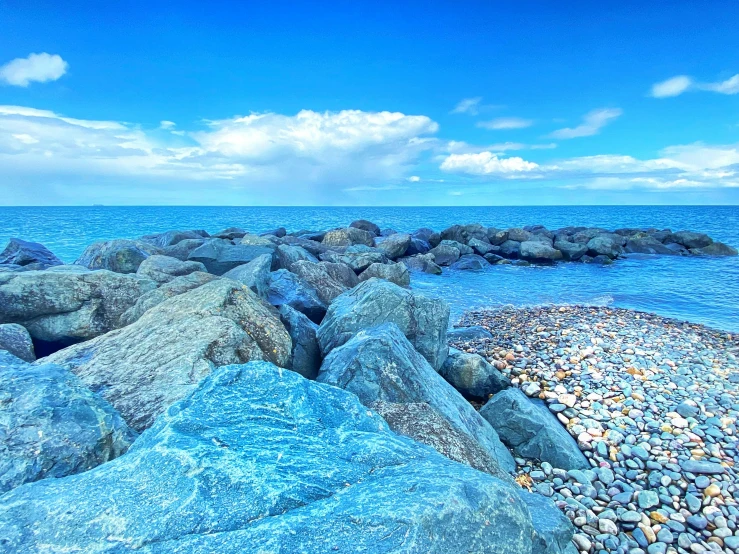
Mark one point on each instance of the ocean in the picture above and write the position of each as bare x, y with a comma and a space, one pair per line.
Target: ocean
701, 290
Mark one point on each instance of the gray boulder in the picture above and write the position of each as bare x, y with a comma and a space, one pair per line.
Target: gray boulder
510, 249
648, 245
480, 247
288, 255
689, 239
279, 232
519, 235
715, 249
342, 273
220, 256
163, 269
394, 272
497, 236
15, 339
417, 246
182, 249
146, 366
530, 430
463, 248
469, 262
170, 238
305, 357
360, 257
64, 307
254, 274
366, 226
230, 233
379, 364
571, 251
321, 277
423, 424
421, 262
257, 240
312, 246
444, 254
175, 287
539, 252
120, 256
262, 459
473, 332
454, 233
52, 425
348, 237
553, 531
287, 288
604, 245
395, 245
472, 375
28, 254
422, 320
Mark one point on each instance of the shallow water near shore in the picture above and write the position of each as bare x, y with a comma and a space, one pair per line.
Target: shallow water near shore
702, 290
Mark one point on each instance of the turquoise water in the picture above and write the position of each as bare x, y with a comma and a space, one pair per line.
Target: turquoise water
703, 290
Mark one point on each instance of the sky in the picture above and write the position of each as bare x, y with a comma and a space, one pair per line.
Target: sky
369, 103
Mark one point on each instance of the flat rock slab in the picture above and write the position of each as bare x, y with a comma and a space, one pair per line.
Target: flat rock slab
51, 425
258, 459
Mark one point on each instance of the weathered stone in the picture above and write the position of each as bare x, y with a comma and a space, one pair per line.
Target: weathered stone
604, 245
288, 255
463, 248
286, 287
422, 262
279, 232
715, 249
51, 425
319, 277
360, 257
423, 320
539, 252
312, 246
254, 274
163, 269
553, 531
445, 254
341, 273
480, 247
230, 233
171, 238
472, 375
64, 307
510, 249
305, 357
366, 226
518, 235
379, 364
24, 253
146, 366
120, 256
469, 262
220, 256
182, 249
15, 339
348, 237
395, 245
571, 251
417, 246
497, 237
394, 272
531, 431
648, 245
258, 458
689, 239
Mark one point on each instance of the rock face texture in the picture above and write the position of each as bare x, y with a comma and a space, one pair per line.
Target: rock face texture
150, 364
422, 320
532, 431
394, 272
395, 245
348, 237
163, 269
305, 357
472, 375
68, 306
298, 467
51, 425
28, 255
286, 288
553, 531
15, 339
379, 364
220, 256
324, 278
254, 274
120, 256
170, 238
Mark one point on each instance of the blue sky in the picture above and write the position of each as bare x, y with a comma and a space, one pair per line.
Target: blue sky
356, 103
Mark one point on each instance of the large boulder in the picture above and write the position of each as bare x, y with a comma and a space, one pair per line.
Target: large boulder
254, 274
532, 431
286, 287
182, 249
146, 366
259, 459
571, 251
605, 245
312, 246
648, 245
379, 364
17, 340
231, 233
52, 425
220, 256
321, 276
175, 287
28, 254
120, 255
394, 272
348, 237
480, 246
472, 375
463, 248
305, 357
288, 255
689, 239
421, 262
366, 226
552, 530
422, 423
417, 246
422, 320
510, 249
539, 252
342, 273
257, 240
163, 269
360, 257
395, 245
64, 307
519, 235
715, 249
470, 262
445, 254
170, 238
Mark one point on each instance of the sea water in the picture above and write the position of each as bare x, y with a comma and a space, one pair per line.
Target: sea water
698, 289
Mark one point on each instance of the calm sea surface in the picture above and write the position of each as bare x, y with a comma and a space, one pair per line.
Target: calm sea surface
703, 290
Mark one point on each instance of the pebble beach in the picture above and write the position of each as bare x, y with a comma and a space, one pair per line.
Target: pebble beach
652, 404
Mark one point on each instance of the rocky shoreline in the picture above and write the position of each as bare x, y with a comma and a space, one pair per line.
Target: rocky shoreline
289, 392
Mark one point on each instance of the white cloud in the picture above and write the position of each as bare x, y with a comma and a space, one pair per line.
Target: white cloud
35, 68
729, 86
468, 105
167, 125
486, 163
506, 123
413, 179
592, 123
671, 87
